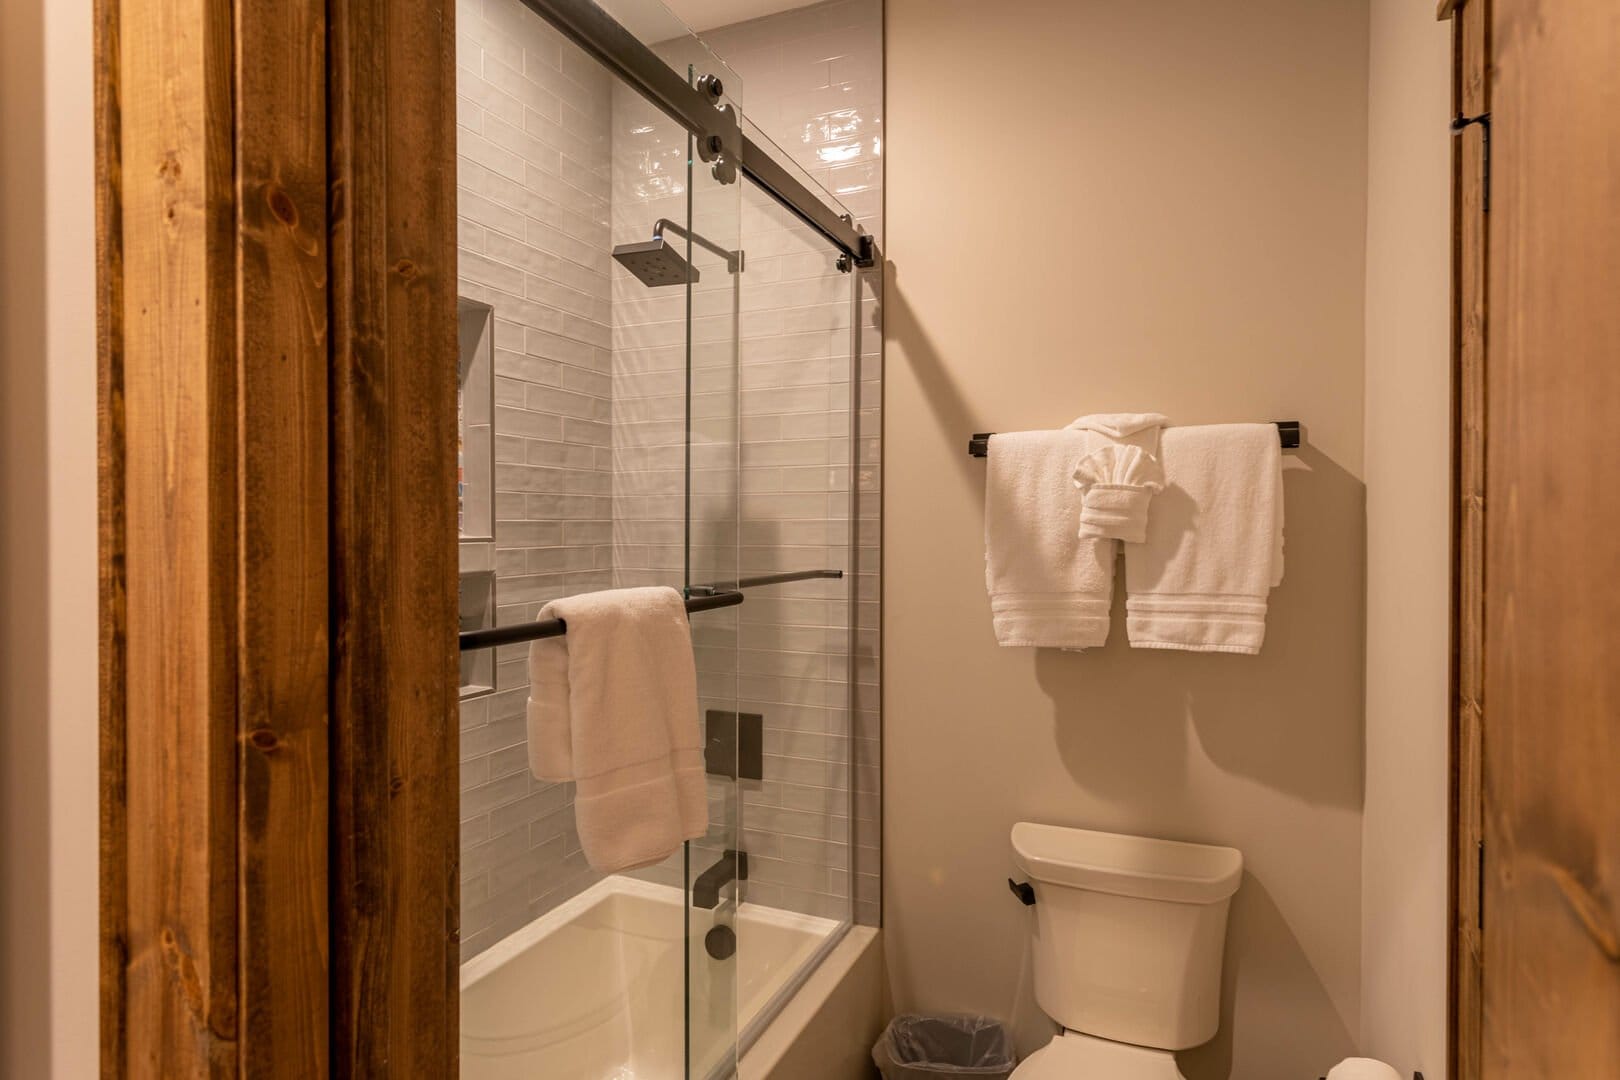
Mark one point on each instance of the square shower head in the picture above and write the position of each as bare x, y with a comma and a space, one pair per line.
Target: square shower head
655, 263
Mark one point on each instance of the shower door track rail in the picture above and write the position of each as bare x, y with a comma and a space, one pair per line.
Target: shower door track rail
702, 598
715, 127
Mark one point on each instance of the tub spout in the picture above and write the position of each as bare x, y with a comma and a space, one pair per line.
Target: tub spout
732, 866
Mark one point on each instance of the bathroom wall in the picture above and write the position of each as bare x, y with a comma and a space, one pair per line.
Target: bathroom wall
1103, 206
1408, 474
48, 622
532, 198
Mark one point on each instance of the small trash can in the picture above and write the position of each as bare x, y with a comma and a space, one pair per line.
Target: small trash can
918, 1047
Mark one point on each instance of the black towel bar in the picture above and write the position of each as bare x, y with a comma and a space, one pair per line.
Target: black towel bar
1287, 431
533, 631
702, 598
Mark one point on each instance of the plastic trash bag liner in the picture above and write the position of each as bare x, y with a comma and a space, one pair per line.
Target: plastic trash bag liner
913, 1047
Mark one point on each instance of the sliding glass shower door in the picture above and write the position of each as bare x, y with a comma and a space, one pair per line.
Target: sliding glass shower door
599, 274
676, 497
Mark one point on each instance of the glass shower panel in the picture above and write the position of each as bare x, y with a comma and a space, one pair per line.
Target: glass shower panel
676, 489
606, 259
797, 522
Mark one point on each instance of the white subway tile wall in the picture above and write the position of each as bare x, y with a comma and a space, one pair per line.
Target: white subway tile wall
533, 190
557, 163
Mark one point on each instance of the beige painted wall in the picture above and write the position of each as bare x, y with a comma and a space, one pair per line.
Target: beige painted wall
1096, 206
47, 544
1408, 474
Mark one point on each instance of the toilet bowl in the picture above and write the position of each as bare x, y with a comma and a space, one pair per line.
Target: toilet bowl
1129, 935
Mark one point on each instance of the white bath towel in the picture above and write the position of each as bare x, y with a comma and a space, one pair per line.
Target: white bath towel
1214, 543
1048, 587
1120, 475
613, 707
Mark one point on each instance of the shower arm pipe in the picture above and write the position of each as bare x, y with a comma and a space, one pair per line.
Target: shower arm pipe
734, 259
715, 127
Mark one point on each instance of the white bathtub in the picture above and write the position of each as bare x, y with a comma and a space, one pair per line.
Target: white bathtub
596, 987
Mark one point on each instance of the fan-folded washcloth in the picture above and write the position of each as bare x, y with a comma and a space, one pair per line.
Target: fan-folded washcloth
1120, 475
1116, 484
1048, 586
1214, 545
613, 707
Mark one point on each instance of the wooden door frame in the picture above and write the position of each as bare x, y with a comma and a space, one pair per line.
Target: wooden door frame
276, 274
1471, 32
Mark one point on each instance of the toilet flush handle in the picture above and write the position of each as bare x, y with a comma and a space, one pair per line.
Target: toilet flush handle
1023, 890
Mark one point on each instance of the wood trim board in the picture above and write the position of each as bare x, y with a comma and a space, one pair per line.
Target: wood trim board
276, 276
1470, 95
395, 822
1550, 996
168, 540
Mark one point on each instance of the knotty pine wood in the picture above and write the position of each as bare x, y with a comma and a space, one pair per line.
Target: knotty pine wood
281, 247
395, 888
177, 468
1552, 546
110, 540
212, 419
1470, 95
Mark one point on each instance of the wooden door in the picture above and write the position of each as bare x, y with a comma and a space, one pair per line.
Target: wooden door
1550, 633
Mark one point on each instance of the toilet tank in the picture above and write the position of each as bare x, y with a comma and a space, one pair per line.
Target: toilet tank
1129, 932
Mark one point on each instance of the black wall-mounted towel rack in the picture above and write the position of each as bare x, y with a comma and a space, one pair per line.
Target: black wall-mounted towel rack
1287, 431
702, 598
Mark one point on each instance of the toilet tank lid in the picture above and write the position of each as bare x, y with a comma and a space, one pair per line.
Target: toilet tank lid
1127, 865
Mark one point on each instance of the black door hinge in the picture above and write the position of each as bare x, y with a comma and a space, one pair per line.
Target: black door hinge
1479, 884
1460, 124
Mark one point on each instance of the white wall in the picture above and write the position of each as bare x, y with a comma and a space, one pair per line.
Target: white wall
1098, 206
48, 798
1408, 473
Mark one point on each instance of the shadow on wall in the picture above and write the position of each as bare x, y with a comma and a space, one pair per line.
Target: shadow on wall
1261, 718
945, 399
1254, 716
1267, 968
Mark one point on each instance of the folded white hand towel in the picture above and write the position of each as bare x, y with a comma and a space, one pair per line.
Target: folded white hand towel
1048, 587
1214, 544
613, 707
1120, 476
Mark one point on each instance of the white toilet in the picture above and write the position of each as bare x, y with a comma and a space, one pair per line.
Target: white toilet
1129, 934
